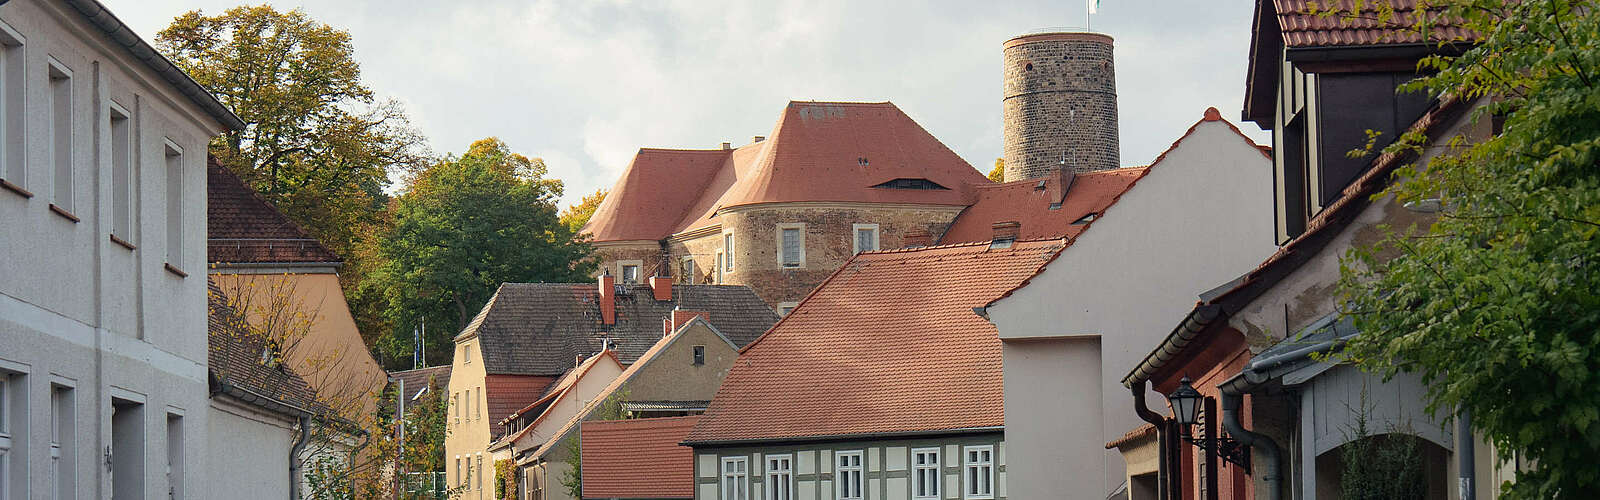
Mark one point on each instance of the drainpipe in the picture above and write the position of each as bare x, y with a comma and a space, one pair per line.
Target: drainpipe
1163, 476
1466, 459
1232, 400
294, 457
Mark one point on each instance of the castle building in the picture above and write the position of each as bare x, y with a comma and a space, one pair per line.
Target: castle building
837, 178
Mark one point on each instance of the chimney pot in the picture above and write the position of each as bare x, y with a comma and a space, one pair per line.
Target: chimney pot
727, 146
662, 286
608, 299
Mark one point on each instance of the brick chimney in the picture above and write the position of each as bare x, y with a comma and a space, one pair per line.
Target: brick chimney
662, 286
681, 317
1007, 230
1061, 182
608, 299
917, 238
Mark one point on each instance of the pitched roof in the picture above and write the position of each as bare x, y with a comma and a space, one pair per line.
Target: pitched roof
1029, 202
538, 328
818, 151
234, 361
243, 227
416, 379
1142, 432
558, 391
888, 344
638, 458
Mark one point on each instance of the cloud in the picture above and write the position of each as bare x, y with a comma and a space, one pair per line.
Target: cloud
585, 83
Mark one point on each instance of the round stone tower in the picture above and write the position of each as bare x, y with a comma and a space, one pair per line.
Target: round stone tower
1060, 104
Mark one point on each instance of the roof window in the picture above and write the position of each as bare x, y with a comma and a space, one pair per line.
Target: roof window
1090, 217
909, 183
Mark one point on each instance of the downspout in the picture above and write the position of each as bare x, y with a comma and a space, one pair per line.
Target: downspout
1163, 476
294, 457
1466, 459
1233, 392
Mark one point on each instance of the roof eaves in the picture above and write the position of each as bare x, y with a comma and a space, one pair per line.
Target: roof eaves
819, 438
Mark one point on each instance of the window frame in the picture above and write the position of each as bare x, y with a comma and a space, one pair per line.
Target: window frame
728, 243
63, 98
686, 270
740, 478
174, 157
698, 355
771, 474
800, 228
840, 471
969, 466
124, 163
936, 467
855, 237
622, 271
13, 110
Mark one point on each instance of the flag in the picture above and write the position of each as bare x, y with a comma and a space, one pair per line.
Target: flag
1094, 6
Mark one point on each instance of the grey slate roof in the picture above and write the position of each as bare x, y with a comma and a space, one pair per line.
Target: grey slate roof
416, 379
538, 328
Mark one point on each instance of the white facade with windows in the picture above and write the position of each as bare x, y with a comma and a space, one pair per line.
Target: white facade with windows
103, 338
958, 467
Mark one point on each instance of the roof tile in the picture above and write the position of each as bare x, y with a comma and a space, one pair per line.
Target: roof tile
637, 458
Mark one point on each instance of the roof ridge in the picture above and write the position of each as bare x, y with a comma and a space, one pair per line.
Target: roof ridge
845, 103
943, 246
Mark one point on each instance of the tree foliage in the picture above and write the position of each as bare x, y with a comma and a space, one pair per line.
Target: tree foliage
316, 141
464, 226
576, 216
998, 173
1496, 304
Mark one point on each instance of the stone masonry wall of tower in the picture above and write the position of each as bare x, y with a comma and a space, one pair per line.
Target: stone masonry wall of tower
1060, 100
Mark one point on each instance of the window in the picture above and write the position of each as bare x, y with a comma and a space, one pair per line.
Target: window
784, 308
780, 477
13, 435
925, 473
459, 475
174, 156
686, 271
13, 160
792, 245
466, 354
699, 355
979, 467
630, 273
478, 479
727, 249
849, 475
455, 406
866, 237
174, 456
466, 479
61, 441
61, 132
127, 449
735, 483
122, 187
717, 266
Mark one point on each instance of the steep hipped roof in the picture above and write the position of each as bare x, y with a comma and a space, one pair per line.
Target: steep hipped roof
1028, 202
234, 360
638, 458
1307, 26
539, 328
242, 227
818, 151
887, 345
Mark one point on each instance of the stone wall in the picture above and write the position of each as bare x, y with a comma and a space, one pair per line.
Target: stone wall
1060, 103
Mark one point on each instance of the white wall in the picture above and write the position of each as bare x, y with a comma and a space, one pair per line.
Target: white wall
77, 309
253, 453
1201, 217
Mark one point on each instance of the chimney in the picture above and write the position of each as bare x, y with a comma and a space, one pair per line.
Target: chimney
1007, 230
681, 317
758, 138
608, 299
727, 146
577, 360
1063, 183
662, 286
917, 238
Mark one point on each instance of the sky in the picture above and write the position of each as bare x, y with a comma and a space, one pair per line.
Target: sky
584, 83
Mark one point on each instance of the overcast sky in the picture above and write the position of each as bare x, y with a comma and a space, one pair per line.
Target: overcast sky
584, 84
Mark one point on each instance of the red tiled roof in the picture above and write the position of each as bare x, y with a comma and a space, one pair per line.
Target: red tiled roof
555, 394
814, 153
889, 343
243, 227
1305, 23
637, 458
505, 394
1138, 433
1024, 202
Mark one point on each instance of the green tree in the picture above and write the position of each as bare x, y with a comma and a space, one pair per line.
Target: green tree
998, 173
1495, 304
316, 141
576, 216
463, 227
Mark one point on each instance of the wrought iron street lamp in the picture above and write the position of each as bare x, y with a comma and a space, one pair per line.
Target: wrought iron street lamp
1186, 403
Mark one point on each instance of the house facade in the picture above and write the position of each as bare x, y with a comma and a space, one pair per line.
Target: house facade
529, 336
1251, 348
864, 394
1192, 219
103, 362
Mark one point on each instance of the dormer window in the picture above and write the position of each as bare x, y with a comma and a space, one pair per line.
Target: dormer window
910, 183
1090, 217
